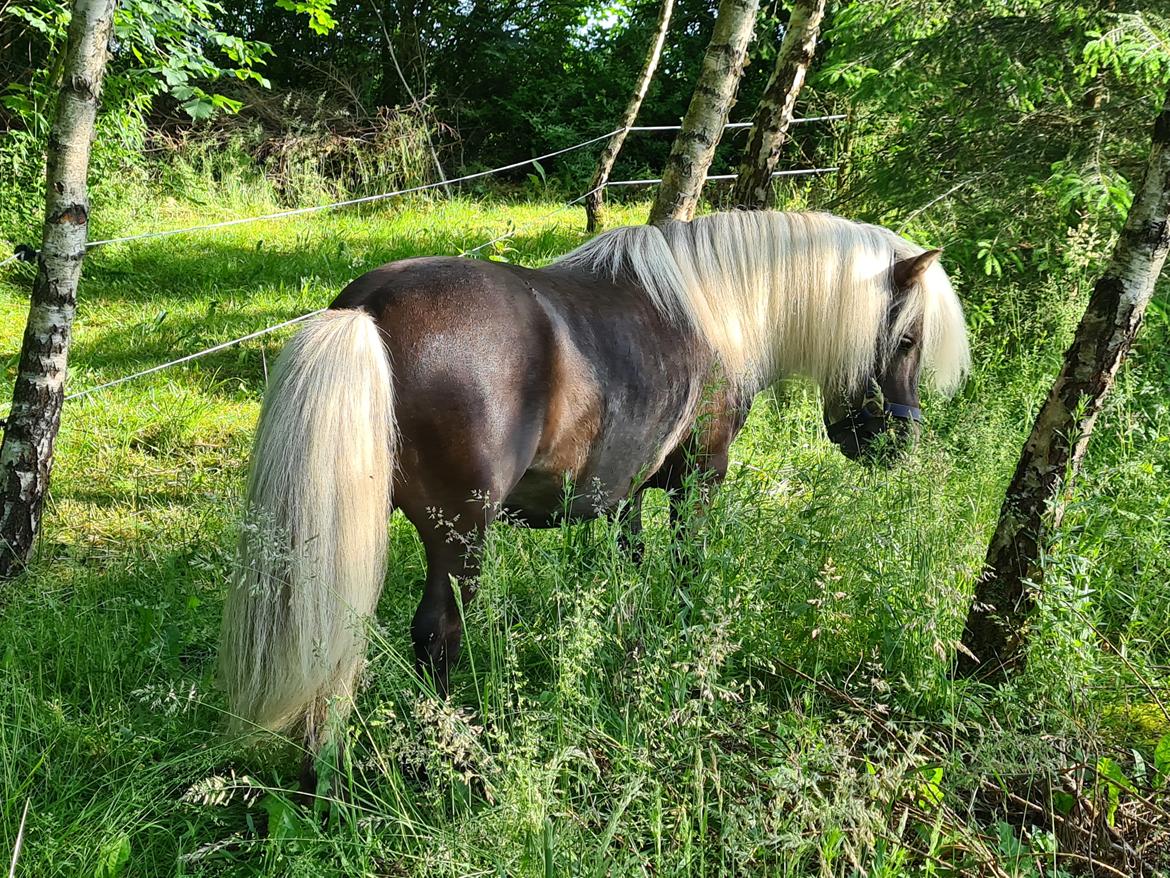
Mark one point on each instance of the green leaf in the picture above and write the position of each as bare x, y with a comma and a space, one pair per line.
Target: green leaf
283, 820
228, 105
1115, 782
930, 793
199, 107
320, 21
1162, 761
1107, 768
113, 857
1063, 802
1009, 845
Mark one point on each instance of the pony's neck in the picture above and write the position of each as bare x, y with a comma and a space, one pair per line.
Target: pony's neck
773, 294
781, 294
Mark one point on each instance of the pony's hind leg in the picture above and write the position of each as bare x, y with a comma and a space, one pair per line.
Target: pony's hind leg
452, 515
462, 459
453, 560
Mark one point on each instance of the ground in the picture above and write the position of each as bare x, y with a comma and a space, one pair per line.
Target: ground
788, 712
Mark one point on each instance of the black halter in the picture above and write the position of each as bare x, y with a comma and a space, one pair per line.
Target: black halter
860, 417
898, 410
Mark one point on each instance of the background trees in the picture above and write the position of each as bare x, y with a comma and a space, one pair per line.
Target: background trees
950, 103
596, 196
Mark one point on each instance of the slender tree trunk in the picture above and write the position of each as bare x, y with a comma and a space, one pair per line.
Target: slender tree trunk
389, 91
594, 201
390, 61
769, 133
26, 456
702, 126
1004, 597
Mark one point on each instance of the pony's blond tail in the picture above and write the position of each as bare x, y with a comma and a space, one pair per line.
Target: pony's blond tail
312, 553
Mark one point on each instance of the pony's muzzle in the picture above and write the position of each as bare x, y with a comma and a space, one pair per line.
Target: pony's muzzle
874, 437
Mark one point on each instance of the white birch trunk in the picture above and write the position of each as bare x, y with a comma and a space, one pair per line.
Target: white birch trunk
769, 132
26, 455
594, 202
702, 126
996, 624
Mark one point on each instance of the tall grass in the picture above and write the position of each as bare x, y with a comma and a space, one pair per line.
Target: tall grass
782, 707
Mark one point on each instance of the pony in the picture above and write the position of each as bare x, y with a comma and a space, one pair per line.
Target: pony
457, 389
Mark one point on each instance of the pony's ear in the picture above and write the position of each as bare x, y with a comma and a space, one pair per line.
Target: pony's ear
908, 272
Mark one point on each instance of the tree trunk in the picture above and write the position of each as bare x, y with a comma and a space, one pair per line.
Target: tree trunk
1004, 597
593, 201
390, 89
390, 62
26, 456
753, 187
702, 126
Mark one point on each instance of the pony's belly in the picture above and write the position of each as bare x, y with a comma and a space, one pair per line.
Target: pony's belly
537, 500
543, 498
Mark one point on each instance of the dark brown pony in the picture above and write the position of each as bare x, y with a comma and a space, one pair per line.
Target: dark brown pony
455, 389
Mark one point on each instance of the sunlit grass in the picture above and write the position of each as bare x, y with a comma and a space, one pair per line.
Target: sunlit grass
605, 718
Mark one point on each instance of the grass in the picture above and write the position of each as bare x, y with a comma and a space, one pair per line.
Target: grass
788, 712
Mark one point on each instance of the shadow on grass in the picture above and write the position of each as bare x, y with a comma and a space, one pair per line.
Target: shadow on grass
180, 268
225, 283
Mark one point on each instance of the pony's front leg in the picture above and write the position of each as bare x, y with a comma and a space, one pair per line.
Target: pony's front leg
689, 503
628, 518
453, 559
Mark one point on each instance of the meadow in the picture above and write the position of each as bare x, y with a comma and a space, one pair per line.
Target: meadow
785, 710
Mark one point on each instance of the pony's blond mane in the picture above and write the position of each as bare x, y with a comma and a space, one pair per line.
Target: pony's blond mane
778, 294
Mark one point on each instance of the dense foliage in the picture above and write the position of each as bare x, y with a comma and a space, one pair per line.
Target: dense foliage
1016, 115
792, 712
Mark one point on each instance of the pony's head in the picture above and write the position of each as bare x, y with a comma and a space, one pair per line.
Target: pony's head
876, 416
855, 307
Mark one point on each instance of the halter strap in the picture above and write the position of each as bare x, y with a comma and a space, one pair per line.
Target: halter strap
859, 416
897, 409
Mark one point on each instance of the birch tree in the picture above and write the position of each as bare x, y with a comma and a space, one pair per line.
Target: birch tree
769, 132
594, 201
996, 632
26, 455
702, 126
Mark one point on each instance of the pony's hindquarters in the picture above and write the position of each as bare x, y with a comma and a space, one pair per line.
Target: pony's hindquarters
311, 556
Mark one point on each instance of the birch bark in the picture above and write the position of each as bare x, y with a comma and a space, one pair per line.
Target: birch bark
594, 201
26, 455
702, 126
996, 629
769, 132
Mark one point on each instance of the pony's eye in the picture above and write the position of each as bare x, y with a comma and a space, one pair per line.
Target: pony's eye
906, 343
